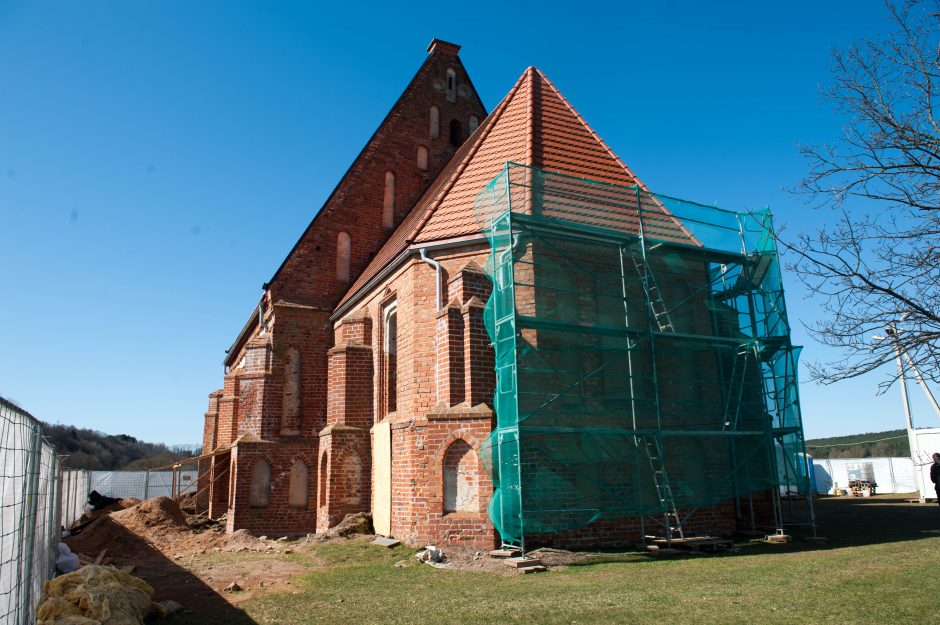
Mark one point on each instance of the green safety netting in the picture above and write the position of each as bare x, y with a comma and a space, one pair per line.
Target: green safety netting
643, 356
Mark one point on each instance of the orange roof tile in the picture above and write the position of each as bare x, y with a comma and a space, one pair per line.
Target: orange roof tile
533, 125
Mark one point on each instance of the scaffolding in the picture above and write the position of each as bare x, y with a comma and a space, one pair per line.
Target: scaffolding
643, 357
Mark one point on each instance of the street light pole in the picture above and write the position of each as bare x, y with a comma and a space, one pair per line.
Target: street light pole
892, 331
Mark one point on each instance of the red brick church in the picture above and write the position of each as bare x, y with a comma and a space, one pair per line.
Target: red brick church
363, 379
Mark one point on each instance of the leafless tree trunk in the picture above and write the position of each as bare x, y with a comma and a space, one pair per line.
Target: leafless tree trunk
878, 264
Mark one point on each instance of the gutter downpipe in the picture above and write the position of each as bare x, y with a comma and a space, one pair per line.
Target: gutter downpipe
437, 308
437, 281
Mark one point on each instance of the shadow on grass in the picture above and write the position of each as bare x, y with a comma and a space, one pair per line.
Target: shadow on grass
851, 521
854, 522
169, 580
843, 521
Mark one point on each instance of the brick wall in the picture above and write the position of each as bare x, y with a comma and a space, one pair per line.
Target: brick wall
356, 206
259, 396
278, 517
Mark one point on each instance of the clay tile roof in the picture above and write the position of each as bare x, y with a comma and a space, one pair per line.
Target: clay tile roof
533, 125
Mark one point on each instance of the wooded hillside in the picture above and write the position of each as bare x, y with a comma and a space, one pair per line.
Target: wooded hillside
90, 449
891, 443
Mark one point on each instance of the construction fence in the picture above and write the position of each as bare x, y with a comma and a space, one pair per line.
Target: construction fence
892, 475
142, 484
29, 513
643, 358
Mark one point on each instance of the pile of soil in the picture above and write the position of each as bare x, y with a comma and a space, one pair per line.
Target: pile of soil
157, 522
242, 540
187, 503
358, 524
104, 533
153, 516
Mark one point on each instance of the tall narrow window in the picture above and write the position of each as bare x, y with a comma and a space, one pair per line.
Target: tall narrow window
456, 133
451, 85
472, 124
390, 353
343, 248
260, 494
422, 157
388, 202
434, 131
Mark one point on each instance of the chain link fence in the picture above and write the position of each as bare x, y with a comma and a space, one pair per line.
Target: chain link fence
30, 513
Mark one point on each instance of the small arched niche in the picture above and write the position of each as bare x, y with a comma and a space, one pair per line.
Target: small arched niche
461, 478
422, 157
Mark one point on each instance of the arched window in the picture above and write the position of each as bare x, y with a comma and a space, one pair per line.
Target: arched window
472, 124
461, 478
298, 485
456, 133
434, 131
388, 202
390, 356
260, 493
422, 157
451, 85
343, 248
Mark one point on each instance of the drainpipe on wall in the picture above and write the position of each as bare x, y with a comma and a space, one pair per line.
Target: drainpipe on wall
437, 281
437, 307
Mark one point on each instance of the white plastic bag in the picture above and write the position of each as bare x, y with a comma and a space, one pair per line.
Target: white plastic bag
66, 561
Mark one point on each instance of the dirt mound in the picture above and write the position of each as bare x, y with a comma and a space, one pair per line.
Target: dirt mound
151, 516
158, 522
104, 533
187, 503
242, 540
352, 524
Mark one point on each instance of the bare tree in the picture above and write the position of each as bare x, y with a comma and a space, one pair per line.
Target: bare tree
878, 264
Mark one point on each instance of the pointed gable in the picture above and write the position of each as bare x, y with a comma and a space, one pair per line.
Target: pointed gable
383, 182
533, 125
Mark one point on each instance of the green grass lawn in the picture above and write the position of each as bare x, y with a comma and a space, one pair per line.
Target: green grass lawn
882, 565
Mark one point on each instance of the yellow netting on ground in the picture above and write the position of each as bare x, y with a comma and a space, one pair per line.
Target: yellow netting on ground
95, 595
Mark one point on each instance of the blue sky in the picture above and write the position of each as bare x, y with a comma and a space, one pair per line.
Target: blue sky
159, 159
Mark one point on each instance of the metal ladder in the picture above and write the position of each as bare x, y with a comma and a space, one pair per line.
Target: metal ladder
736, 386
657, 306
671, 521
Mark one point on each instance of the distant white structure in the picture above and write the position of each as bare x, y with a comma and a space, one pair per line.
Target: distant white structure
926, 442
892, 475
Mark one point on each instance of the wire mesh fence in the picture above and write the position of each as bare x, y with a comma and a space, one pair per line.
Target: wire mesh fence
141, 484
30, 513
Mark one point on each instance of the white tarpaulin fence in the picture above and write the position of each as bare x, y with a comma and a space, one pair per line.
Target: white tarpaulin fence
29, 513
892, 475
74, 488
141, 484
